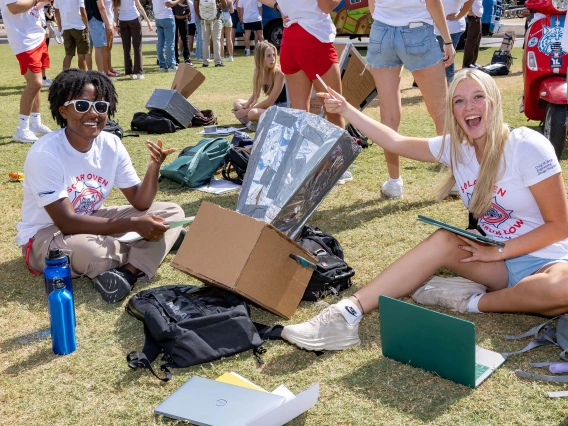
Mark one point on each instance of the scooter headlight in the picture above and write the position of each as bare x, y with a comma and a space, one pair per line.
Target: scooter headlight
531, 61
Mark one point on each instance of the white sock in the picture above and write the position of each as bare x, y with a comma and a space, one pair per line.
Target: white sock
472, 305
350, 311
24, 123
35, 119
397, 180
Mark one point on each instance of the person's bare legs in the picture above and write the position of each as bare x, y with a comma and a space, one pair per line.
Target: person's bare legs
439, 250
89, 58
247, 39
333, 79
387, 82
30, 101
82, 62
99, 58
254, 114
544, 293
67, 62
228, 40
258, 36
433, 85
299, 90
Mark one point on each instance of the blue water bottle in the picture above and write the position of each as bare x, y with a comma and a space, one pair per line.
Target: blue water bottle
57, 267
61, 313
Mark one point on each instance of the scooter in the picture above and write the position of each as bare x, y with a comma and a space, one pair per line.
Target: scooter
545, 73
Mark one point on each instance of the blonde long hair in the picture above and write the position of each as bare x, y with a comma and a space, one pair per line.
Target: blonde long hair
491, 168
261, 73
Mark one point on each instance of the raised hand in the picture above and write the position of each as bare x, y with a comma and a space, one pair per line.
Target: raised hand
157, 154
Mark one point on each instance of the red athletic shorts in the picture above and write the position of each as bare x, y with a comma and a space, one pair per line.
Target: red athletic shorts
302, 51
35, 59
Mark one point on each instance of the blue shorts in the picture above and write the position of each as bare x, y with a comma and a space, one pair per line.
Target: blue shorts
523, 266
415, 48
97, 33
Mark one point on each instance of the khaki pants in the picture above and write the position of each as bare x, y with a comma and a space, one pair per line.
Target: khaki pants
212, 29
91, 255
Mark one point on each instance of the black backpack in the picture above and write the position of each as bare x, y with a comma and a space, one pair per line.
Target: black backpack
192, 325
155, 121
114, 128
236, 160
332, 274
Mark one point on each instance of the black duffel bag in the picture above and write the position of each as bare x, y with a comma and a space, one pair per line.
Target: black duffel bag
332, 274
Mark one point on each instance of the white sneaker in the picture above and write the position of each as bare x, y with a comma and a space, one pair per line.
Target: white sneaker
174, 69
252, 125
133, 76
46, 82
328, 330
247, 52
140, 76
231, 59
163, 69
345, 177
25, 136
452, 293
392, 189
40, 129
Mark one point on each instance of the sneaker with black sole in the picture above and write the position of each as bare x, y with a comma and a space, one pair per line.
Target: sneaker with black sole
328, 330
114, 284
179, 240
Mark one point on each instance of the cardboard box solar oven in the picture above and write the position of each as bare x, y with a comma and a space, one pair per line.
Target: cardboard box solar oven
246, 256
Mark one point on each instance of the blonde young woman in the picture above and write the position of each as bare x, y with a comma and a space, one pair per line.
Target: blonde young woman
509, 179
268, 79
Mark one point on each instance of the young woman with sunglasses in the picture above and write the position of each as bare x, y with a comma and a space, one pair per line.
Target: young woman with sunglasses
69, 174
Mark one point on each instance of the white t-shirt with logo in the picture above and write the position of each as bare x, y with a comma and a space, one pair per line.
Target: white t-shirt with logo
250, 10
529, 158
399, 13
24, 30
70, 13
128, 11
161, 11
310, 17
54, 169
453, 6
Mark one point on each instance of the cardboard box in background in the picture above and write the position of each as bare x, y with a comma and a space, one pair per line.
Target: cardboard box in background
357, 82
245, 256
316, 104
187, 80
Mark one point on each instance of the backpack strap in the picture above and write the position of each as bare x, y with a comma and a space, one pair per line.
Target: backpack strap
149, 353
553, 379
138, 360
543, 335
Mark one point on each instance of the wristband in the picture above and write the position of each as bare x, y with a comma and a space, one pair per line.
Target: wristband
447, 44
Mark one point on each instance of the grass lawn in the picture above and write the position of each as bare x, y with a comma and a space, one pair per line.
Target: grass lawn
358, 387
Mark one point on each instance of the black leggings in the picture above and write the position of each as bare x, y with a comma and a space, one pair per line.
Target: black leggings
182, 30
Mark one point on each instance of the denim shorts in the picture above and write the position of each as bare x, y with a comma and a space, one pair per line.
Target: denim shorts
523, 266
97, 33
415, 48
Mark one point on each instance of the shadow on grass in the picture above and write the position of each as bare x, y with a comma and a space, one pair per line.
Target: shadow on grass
416, 392
37, 359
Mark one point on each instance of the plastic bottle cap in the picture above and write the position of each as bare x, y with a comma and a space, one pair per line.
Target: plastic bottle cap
54, 253
58, 283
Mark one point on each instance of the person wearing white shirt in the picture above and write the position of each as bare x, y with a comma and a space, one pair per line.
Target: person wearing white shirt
70, 173
307, 50
473, 39
510, 182
166, 28
73, 22
456, 10
250, 16
26, 37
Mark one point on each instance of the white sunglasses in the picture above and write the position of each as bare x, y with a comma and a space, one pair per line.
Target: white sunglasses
82, 106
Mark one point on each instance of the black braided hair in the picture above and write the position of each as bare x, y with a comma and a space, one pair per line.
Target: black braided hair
69, 85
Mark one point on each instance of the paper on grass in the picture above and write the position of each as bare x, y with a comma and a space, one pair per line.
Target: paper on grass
233, 378
219, 186
131, 237
285, 392
222, 131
